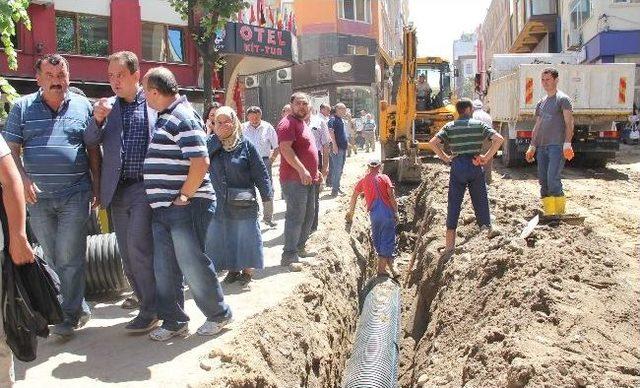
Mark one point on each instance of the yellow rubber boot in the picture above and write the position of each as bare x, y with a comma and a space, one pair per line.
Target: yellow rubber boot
549, 206
560, 203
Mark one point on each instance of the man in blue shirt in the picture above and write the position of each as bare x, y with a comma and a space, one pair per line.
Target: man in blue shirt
47, 128
123, 126
176, 180
339, 145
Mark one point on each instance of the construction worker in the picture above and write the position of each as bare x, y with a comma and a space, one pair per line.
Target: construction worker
464, 137
379, 193
551, 142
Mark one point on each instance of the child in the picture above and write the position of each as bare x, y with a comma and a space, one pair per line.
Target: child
379, 195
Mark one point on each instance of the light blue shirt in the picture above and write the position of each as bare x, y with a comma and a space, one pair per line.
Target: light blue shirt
54, 153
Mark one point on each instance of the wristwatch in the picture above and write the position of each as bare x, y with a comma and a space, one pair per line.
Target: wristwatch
183, 197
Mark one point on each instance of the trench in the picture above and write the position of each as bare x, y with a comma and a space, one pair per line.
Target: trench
308, 339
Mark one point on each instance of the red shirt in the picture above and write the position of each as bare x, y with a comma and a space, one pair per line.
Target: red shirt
366, 186
304, 145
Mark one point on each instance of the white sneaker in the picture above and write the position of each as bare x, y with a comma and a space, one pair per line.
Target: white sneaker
213, 328
162, 334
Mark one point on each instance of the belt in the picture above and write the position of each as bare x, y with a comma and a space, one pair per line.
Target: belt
130, 181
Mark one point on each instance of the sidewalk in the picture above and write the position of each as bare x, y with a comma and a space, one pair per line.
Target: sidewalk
103, 353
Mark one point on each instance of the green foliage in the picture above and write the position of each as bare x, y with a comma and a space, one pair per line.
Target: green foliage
204, 18
12, 12
211, 15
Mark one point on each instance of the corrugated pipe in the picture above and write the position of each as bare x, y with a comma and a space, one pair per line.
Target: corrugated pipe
374, 358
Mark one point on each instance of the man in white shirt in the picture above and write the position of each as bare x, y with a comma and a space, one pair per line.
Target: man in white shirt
480, 114
263, 136
321, 135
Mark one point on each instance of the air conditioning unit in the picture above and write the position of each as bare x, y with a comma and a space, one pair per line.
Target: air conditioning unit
284, 75
575, 39
251, 81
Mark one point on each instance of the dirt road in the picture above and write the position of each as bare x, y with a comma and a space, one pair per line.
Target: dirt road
560, 311
102, 353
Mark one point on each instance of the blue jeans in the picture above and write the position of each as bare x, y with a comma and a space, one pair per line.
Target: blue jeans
550, 164
60, 225
465, 175
338, 165
298, 220
179, 235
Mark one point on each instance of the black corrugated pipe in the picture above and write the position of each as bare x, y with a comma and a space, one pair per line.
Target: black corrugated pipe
374, 358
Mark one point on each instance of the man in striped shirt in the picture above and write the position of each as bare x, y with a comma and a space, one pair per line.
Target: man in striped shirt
179, 191
464, 138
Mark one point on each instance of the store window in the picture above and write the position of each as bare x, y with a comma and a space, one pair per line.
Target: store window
357, 50
162, 43
580, 13
82, 34
356, 98
357, 10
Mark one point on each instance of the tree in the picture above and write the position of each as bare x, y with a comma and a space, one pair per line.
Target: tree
204, 18
12, 12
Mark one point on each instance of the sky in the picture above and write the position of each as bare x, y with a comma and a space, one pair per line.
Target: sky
440, 22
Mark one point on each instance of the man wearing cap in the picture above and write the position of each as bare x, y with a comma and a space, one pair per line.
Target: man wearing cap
480, 114
379, 194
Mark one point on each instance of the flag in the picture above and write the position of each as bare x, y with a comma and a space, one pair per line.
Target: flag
290, 22
252, 19
285, 19
271, 19
240, 16
279, 17
294, 30
263, 21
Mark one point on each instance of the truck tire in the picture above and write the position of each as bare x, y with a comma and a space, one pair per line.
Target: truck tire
104, 273
510, 155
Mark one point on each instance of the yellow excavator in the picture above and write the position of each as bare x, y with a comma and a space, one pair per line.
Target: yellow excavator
414, 114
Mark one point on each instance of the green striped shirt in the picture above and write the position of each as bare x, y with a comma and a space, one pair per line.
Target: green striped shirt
465, 136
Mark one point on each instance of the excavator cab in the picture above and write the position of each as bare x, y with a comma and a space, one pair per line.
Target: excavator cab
415, 111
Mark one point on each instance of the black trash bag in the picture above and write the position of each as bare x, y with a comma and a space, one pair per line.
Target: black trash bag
21, 323
43, 288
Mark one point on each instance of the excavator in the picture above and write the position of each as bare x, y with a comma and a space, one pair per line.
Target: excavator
409, 120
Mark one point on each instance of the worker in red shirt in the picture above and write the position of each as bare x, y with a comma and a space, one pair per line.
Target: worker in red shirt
379, 194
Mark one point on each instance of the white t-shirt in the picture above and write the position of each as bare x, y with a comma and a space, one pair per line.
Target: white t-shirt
483, 116
264, 138
4, 148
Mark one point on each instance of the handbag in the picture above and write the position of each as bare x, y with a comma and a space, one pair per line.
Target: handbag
238, 196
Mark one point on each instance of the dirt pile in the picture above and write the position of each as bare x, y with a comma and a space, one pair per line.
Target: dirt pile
306, 340
559, 311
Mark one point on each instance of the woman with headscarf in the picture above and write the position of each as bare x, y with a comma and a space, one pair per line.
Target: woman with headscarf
234, 240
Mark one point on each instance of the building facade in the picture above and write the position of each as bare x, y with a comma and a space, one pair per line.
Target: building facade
605, 31
86, 32
347, 49
465, 65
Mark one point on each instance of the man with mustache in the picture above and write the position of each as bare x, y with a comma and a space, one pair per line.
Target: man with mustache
47, 129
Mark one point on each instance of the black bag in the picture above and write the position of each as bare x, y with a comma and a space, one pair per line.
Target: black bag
21, 323
43, 290
240, 197
30, 302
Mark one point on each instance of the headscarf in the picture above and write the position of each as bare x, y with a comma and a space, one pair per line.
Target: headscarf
231, 141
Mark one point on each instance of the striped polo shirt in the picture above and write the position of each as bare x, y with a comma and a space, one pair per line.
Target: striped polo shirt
179, 135
465, 136
54, 153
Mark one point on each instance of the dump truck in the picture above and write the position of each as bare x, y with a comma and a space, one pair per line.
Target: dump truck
601, 93
406, 124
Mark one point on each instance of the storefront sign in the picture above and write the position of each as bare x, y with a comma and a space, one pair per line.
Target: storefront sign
258, 41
